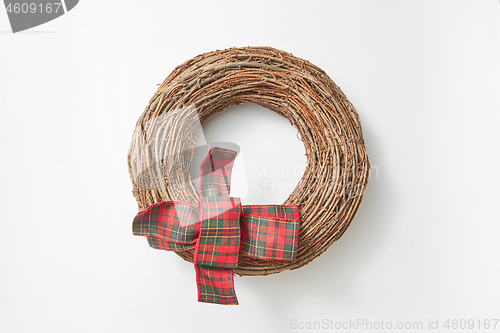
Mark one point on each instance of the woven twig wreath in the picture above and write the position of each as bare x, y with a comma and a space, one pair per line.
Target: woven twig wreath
330, 191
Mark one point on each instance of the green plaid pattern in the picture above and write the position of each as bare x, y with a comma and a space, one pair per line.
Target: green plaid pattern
215, 285
277, 211
219, 229
217, 249
269, 238
216, 172
219, 241
162, 244
270, 232
168, 226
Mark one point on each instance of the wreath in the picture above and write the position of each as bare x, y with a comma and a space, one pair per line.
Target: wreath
176, 215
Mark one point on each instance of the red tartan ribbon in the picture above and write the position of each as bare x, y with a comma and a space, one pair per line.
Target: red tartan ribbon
220, 229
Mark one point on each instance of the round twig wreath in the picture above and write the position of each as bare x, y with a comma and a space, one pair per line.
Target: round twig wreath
330, 191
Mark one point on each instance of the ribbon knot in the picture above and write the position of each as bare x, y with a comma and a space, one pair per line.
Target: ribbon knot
219, 229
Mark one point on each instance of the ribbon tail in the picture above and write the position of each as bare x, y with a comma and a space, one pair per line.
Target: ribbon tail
215, 285
217, 248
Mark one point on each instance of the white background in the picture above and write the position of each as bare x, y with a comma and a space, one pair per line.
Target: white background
424, 77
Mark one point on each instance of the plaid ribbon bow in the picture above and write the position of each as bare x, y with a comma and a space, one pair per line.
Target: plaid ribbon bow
219, 229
